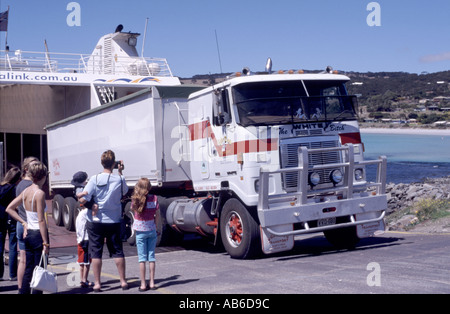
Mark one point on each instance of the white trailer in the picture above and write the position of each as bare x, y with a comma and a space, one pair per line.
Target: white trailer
253, 161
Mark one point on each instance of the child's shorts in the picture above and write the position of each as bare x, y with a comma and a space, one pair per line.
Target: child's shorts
83, 255
146, 244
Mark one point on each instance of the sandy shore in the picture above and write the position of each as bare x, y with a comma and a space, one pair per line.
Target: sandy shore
412, 131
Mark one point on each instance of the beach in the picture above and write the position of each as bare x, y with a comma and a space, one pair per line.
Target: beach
406, 131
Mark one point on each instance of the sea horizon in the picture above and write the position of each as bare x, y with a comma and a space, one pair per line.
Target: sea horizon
412, 156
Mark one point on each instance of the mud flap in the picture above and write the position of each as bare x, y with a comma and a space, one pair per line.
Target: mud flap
272, 243
370, 229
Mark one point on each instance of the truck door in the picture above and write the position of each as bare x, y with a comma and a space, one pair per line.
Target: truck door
223, 148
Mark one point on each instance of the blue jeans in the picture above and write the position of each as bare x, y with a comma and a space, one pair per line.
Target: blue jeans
19, 235
146, 244
33, 249
8, 226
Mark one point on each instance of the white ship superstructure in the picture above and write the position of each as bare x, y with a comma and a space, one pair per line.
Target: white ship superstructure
39, 88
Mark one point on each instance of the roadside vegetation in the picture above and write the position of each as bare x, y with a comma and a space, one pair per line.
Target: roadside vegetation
422, 211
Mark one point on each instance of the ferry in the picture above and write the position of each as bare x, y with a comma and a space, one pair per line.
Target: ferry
40, 88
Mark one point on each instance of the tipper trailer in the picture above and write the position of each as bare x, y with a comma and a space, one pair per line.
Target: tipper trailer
253, 161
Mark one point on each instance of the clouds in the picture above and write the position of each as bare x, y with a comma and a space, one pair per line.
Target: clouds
444, 56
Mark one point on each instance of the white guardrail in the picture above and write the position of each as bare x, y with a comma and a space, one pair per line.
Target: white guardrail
29, 61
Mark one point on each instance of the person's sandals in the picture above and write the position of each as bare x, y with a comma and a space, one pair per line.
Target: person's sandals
86, 284
145, 289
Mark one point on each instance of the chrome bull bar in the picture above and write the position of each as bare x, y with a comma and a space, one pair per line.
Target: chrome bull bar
325, 228
291, 207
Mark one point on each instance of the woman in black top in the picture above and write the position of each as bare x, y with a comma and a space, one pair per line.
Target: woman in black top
7, 224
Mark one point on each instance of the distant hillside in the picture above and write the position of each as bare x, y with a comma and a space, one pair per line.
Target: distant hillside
397, 95
394, 86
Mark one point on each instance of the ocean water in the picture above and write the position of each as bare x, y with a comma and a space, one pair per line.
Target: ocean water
411, 158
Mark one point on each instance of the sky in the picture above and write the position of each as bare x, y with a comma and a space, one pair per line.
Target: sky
410, 36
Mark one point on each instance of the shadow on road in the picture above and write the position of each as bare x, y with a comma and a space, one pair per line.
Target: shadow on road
318, 245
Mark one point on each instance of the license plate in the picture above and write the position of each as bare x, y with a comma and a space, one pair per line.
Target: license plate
326, 221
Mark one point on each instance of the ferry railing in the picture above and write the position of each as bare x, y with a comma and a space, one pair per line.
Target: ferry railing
98, 64
29, 61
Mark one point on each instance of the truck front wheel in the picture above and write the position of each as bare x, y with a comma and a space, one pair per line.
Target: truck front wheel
239, 230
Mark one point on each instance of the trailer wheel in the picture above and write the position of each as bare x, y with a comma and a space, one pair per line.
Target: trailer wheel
239, 230
57, 209
128, 218
344, 238
68, 213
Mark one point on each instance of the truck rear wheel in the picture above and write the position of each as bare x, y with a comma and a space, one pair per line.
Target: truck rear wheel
239, 230
57, 209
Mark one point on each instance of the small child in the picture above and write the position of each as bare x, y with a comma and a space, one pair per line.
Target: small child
84, 259
146, 218
79, 181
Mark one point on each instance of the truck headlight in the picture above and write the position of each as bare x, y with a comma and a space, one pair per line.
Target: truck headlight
314, 178
336, 176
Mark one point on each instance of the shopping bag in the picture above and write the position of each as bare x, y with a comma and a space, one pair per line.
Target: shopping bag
43, 279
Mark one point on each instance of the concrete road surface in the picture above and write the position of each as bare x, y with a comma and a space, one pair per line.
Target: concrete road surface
400, 263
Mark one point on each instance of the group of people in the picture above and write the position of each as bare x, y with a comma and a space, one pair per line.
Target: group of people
99, 221
22, 215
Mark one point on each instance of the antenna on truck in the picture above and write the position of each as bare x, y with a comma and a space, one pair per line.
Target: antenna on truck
218, 51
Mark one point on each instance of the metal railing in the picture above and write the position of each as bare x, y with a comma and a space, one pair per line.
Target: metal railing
29, 61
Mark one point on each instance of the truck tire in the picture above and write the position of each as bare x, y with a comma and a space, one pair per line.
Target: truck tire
343, 238
239, 230
68, 213
128, 217
57, 209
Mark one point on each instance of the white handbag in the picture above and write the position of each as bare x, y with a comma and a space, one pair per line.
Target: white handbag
43, 279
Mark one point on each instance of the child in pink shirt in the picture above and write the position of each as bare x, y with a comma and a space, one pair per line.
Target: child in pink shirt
145, 207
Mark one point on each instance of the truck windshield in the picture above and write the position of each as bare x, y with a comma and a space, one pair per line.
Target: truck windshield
287, 102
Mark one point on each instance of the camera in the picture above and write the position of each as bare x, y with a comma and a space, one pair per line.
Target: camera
117, 163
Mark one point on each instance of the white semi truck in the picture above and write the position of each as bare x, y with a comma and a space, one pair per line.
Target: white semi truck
252, 161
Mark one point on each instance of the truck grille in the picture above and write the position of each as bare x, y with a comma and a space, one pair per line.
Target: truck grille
289, 159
